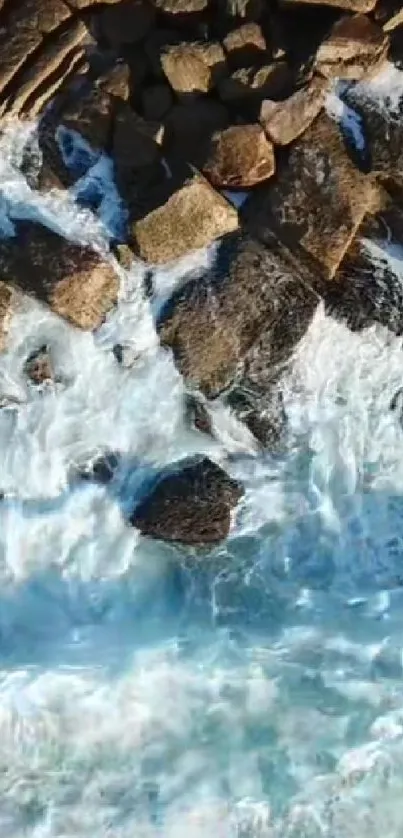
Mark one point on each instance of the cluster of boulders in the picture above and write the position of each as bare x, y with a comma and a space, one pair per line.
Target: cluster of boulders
191, 98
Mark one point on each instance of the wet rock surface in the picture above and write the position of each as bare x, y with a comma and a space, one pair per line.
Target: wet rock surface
191, 504
73, 280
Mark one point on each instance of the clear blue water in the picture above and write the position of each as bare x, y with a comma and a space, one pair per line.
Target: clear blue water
252, 691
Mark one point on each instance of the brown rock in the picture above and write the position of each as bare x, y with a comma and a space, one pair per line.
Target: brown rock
317, 202
116, 81
84, 4
136, 142
73, 280
41, 45
355, 46
214, 321
92, 117
193, 67
181, 7
191, 504
240, 157
7, 299
197, 415
127, 22
157, 100
189, 128
245, 46
362, 6
39, 367
284, 121
192, 217
251, 84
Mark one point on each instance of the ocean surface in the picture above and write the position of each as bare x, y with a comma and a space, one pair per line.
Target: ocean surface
250, 691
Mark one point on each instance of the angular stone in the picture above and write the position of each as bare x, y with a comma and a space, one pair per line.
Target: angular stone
190, 503
284, 121
116, 81
39, 367
354, 47
251, 84
181, 7
245, 46
240, 157
7, 301
92, 117
127, 22
389, 14
136, 142
193, 67
214, 321
73, 280
382, 130
316, 202
84, 4
192, 217
363, 6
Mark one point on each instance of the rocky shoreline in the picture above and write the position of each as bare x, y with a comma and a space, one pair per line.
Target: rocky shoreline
190, 98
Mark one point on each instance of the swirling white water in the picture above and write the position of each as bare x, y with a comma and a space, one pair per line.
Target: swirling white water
253, 692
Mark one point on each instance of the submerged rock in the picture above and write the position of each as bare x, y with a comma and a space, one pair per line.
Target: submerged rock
7, 299
197, 414
76, 283
39, 367
190, 504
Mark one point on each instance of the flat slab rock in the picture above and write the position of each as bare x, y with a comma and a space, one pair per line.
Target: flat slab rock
212, 323
355, 47
41, 44
285, 121
190, 504
190, 218
317, 200
74, 281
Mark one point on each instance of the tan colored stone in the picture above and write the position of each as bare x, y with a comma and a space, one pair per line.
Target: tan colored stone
251, 84
193, 67
317, 201
74, 281
192, 217
284, 121
181, 7
362, 6
7, 298
355, 46
240, 157
245, 45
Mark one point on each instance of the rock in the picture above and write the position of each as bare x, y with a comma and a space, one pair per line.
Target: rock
7, 300
190, 218
240, 157
157, 100
197, 415
73, 280
127, 22
316, 202
389, 14
91, 116
362, 6
181, 7
126, 355
101, 469
284, 121
212, 323
41, 45
354, 47
39, 367
190, 504
116, 81
245, 46
382, 130
136, 142
84, 4
193, 67
253, 85
190, 126
123, 255
263, 415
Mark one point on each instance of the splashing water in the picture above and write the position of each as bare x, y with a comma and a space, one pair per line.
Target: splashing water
253, 693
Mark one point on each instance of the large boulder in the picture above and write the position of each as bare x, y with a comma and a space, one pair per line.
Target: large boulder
41, 45
191, 504
191, 217
240, 156
355, 47
73, 280
285, 121
214, 321
316, 202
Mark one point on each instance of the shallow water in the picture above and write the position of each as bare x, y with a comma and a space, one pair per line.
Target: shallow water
255, 691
